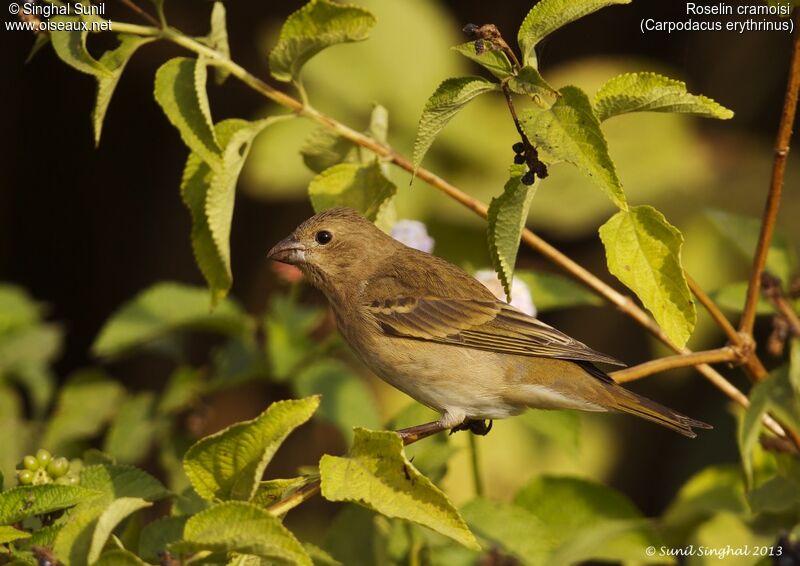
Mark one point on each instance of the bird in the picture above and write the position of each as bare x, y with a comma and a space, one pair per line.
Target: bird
434, 332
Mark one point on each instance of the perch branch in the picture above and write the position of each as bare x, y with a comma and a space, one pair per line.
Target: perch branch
725, 354
775, 188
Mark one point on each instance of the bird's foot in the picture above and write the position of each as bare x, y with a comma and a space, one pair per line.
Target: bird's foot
479, 427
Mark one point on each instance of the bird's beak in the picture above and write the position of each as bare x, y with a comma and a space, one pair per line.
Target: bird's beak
288, 250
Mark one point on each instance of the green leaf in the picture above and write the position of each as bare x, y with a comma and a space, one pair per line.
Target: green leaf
109, 519
512, 527
119, 557
209, 194
236, 526
560, 428
507, 216
553, 292
450, 97
288, 325
218, 39
180, 89
643, 251
271, 491
431, 457
493, 60
156, 536
35, 345
776, 495
794, 364
85, 404
324, 149
529, 82
569, 131
650, 92
230, 463
312, 28
742, 233
21, 502
720, 530
10, 534
377, 475
38, 382
70, 46
114, 61
162, 309
775, 394
346, 400
184, 387
117, 481
73, 541
17, 308
41, 40
732, 297
363, 187
549, 15
132, 431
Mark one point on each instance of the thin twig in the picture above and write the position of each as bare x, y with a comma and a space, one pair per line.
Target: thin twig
621, 301
304, 493
776, 185
773, 292
725, 354
133, 6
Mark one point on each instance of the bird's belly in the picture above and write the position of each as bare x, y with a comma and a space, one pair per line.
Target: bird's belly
448, 379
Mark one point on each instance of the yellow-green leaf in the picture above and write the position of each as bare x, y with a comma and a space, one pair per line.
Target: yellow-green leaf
218, 38
493, 60
643, 251
70, 46
650, 92
363, 187
10, 534
377, 475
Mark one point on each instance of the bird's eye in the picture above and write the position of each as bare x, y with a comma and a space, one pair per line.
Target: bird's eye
323, 237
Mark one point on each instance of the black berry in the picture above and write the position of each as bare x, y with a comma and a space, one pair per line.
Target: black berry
519, 159
518, 147
470, 29
528, 178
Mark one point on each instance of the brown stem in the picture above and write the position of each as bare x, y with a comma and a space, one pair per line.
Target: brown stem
725, 354
771, 287
776, 186
133, 6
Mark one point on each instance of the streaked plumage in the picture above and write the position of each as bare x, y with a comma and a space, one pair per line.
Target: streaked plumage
434, 332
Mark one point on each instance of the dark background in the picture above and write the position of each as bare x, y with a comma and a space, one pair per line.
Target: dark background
84, 229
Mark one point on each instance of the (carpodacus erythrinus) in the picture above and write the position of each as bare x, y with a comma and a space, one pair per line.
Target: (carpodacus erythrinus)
434, 332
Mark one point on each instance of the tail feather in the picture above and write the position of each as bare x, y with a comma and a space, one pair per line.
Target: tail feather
627, 401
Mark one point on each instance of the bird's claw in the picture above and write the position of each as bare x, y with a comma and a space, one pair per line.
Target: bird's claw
479, 427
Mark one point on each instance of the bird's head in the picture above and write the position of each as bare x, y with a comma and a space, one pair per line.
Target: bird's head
334, 248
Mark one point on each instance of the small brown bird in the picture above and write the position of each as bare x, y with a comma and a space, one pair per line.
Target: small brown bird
431, 330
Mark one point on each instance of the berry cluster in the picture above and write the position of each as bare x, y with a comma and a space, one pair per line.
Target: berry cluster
523, 154
43, 468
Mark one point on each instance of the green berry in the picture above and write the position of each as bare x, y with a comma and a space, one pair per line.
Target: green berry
73, 480
30, 463
25, 477
58, 467
44, 457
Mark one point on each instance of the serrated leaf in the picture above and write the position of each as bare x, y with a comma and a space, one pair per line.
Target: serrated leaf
74, 539
569, 131
272, 491
10, 534
156, 536
70, 46
732, 297
507, 216
230, 463
116, 481
108, 520
363, 187
314, 27
324, 149
114, 61
85, 404
650, 92
774, 394
346, 400
209, 193
180, 90
529, 82
643, 251
742, 233
21, 502
377, 475
236, 526
450, 97
119, 557
218, 39
551, 292
132, 430
431, 457
493, 60
162, 309
549, 15
512, 527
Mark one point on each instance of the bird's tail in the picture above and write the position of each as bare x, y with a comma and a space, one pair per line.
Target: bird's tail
618, 398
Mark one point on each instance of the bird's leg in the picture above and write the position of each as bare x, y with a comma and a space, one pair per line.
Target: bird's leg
418, 432
479, 427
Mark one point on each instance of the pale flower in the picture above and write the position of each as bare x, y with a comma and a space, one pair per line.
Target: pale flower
413, 234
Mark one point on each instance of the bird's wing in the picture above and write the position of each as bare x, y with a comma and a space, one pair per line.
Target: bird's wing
483, 324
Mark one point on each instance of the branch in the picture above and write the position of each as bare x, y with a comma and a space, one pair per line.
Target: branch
776, 186
725, 354
622, 302
771, 287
